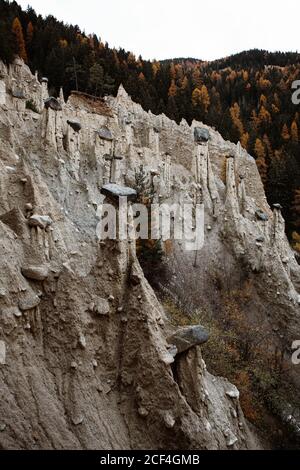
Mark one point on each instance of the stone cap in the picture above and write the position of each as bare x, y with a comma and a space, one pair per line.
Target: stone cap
261, 215
42, 221
201, 135
114, 191
278, 206
108, 157
105, 134
188, 337
53, 103
76, 126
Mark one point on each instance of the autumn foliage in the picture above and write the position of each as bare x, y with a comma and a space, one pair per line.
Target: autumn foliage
18, 32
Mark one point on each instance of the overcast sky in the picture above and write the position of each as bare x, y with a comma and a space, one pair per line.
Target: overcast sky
183, 28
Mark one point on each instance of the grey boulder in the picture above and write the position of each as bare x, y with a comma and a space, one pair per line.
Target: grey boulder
105, 134
188, 337
42, 221
29, 302
201, 135
114, 191
261, 215
53, 103
36, 273
76, 126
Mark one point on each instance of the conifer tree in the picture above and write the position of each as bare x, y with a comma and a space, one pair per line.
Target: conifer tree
264, 117
172, 110
245, 140
285, 133
196, 78
173, 89
294, 132
29, 33
204, 98
268, 147
96, 78
196, 97
172, 71
18, 32
236, 121
201, 99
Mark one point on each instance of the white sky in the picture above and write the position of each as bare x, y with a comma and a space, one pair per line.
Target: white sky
183, 28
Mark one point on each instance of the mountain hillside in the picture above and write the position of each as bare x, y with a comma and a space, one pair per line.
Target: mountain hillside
90, 355
246, 97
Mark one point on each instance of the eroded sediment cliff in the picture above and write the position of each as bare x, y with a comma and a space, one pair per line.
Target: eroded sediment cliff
84, 356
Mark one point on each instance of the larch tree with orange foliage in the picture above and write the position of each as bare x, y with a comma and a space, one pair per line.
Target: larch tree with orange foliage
263, 100
172, 71
196, 78
18, 32
196, 97
63, 43
201, 99
131, 59
245, 140
204, 98
264, 83
155, 68
264, 117
285, 132
294, 132
232, 76
185, 83
172, 89
236, 119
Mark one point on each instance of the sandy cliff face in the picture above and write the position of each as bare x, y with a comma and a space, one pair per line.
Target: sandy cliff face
84, 357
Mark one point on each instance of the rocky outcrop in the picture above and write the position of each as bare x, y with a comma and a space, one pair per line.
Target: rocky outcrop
86, 362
